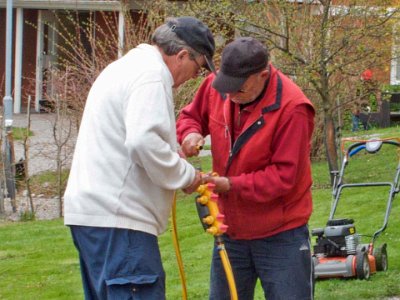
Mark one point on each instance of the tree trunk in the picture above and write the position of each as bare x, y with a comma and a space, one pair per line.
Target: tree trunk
330, 145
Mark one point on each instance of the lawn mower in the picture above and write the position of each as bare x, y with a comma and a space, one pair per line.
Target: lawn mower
339, 251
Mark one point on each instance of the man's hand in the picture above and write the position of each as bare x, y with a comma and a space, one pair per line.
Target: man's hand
192, 144
222, 184
194, 185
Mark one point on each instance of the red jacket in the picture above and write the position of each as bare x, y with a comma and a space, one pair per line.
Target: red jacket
268, 163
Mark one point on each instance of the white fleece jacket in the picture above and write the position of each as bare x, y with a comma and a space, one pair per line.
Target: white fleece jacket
126, 166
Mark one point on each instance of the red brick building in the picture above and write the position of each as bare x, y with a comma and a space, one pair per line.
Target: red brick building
34, 38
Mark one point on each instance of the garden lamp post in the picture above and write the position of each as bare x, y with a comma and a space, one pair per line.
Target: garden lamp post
7, 145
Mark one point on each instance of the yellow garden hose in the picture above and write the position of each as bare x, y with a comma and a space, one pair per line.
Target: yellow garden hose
212, 223
177, 250
227, 268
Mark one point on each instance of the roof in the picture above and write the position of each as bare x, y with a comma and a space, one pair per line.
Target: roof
105, 5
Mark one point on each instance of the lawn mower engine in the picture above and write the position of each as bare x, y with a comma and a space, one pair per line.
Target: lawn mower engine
339, 238
338, 252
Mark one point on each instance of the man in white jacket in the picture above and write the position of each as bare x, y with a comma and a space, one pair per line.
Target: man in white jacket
126, 166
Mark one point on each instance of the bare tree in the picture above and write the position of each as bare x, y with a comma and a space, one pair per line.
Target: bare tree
62, 128
324, 47
25, 145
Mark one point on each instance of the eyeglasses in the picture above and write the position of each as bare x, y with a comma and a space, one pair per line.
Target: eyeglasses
243, 89
201, 70
246, 86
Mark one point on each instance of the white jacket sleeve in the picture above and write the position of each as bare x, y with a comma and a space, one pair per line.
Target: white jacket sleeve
151, 137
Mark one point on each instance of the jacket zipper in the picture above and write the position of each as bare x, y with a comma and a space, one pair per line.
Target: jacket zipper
233, 146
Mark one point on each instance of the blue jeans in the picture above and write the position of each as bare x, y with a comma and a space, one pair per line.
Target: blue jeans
118, 264
281, 262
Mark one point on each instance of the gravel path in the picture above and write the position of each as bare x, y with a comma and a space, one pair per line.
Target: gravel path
42, 157
42, 145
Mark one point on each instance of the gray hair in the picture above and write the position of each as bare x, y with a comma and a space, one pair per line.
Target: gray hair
169, 42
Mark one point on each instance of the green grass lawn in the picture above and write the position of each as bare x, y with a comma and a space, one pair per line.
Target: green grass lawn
20, 133
39, 261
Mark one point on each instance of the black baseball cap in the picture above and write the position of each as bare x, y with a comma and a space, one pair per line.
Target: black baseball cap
240, 59
196, 35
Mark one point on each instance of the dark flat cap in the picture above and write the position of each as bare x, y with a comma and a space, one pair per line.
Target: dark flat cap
196, 35
240, 59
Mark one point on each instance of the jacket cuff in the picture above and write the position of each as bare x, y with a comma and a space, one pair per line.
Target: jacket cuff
233, 182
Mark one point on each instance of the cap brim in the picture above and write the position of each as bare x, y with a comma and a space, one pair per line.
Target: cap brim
210, 65
227, 84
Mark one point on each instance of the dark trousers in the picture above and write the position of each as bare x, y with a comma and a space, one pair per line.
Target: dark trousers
281, 262
118, 264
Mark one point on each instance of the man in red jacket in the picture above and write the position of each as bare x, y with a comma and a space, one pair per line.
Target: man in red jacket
260, 124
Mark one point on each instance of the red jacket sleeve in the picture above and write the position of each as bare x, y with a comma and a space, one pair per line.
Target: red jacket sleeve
194, 116
290, 159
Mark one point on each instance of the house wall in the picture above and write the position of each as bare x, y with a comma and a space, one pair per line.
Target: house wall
28, 55
29, 52
2, 51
